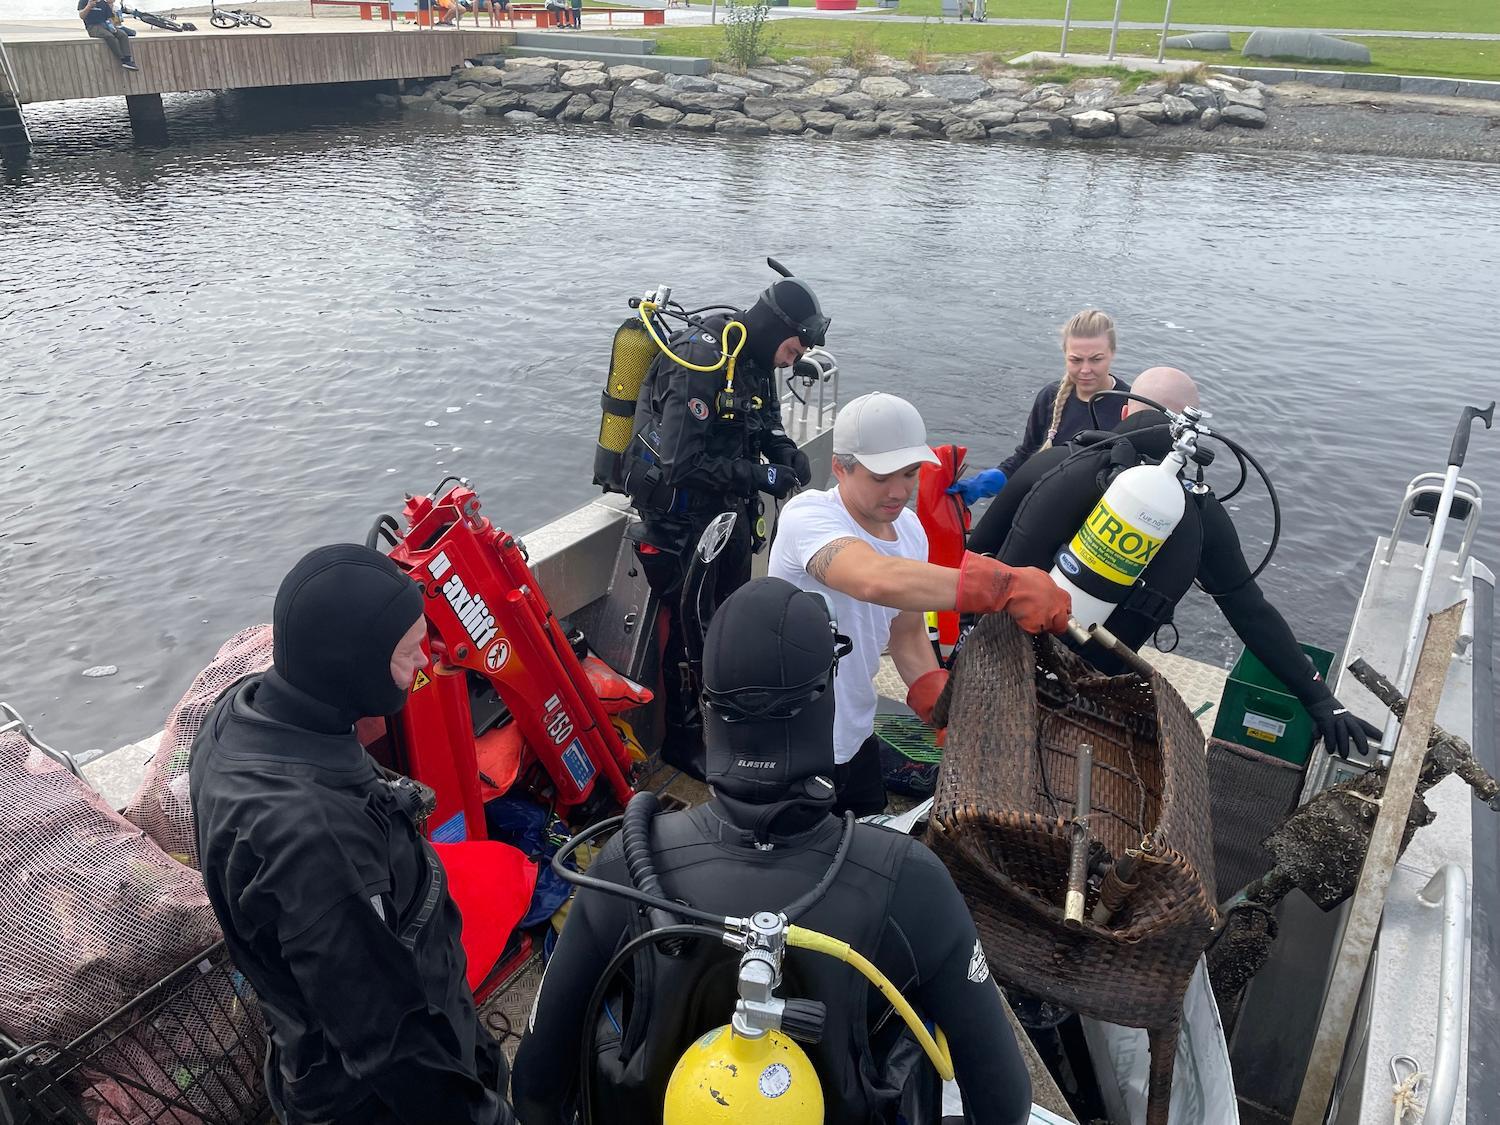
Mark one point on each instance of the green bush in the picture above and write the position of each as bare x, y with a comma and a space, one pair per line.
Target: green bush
746, 36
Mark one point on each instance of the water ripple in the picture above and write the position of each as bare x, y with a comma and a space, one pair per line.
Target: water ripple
221, 352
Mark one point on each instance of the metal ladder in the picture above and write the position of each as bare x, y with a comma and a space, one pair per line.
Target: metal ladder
13, 131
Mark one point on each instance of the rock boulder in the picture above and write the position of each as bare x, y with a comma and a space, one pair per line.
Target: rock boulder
954, 87
1093, 123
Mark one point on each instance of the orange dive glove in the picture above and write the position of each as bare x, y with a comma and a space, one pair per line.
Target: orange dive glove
986, 585
922, 696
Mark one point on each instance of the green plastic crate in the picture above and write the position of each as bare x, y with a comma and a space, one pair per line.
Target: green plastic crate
1257, 711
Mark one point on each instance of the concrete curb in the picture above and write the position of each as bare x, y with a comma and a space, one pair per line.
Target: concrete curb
1359, 80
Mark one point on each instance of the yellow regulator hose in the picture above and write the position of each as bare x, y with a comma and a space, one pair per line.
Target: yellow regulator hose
731, 353
937, 1049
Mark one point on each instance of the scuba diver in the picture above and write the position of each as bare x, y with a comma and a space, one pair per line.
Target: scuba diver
707, 439
332, 904
766, 842
1047, 501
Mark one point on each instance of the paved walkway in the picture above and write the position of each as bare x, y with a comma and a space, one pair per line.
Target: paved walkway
699, 14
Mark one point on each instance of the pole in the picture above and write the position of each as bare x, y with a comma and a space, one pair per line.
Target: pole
1114, 28
1456, 454
1067, 18
1078, 860
1166, 22
1353, 956
1111, 643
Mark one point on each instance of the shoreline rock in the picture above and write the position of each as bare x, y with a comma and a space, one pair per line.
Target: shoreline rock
978, 104
962, 102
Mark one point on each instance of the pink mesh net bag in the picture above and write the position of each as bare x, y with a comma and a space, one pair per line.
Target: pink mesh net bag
91, 911
161, 807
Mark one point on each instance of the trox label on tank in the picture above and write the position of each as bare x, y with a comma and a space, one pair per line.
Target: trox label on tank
1112, 547
472, 612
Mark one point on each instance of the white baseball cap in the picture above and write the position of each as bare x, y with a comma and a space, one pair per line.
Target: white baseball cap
883, 433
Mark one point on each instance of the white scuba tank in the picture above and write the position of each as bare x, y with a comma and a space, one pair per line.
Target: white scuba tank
1121, 535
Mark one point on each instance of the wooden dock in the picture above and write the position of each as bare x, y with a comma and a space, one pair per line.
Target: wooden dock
57, 61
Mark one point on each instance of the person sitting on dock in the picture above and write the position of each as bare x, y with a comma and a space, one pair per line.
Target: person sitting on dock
101, 22
1061, 408
860, 547
332, 904
765, 842
1043, 505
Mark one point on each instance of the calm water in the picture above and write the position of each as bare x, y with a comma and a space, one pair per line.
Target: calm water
218, 354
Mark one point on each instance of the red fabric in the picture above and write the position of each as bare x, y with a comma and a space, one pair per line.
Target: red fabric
491, 884
616, 692
945, 518
498, 753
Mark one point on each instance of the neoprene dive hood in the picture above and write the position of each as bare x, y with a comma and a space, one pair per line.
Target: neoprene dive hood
339, 615
768, 667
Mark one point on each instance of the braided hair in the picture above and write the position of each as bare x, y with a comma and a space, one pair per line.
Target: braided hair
1085, 325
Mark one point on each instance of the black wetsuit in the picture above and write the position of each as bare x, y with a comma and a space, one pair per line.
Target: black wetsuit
705, 465
1045, 503
1076, 417
894, 901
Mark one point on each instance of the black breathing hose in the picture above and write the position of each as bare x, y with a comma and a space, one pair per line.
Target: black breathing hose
1241, 455
635, 838
635, 842
802, 905
579, 879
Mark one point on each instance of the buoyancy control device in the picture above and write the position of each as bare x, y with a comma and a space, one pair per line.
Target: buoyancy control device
1122, 534
750, 1071
637, 343
1105, 559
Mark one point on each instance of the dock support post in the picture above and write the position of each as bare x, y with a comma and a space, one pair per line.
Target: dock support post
148, 120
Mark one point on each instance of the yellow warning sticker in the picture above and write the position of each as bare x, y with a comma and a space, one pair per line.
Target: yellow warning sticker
1111, 548
420, 682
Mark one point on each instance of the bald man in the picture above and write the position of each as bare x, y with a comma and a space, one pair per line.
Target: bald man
1044, 504
1166, 386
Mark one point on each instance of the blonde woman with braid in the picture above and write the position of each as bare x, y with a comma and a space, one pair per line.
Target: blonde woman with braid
1061, 409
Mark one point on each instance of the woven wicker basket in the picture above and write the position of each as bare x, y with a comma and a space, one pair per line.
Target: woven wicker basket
1017, 709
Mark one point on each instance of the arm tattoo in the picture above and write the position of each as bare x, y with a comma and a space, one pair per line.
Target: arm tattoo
818, 565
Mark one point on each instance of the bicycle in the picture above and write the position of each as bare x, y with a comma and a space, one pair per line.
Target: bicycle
155, 19
237, 17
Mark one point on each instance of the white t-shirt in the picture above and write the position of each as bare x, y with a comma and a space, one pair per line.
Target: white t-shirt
808, 523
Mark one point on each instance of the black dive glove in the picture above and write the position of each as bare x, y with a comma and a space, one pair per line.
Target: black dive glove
1338, 728
778, 480
797, 461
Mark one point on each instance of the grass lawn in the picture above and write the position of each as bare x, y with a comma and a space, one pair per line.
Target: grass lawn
1376, 15
857, 40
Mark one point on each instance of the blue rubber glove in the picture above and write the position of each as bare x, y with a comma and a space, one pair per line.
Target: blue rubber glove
979, 486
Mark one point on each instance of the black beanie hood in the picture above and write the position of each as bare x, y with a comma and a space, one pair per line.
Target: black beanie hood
765, 330
339, 615
1156, 443
766, 636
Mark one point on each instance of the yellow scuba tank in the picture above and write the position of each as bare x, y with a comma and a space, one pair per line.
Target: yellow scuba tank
630, 358
724, 1077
